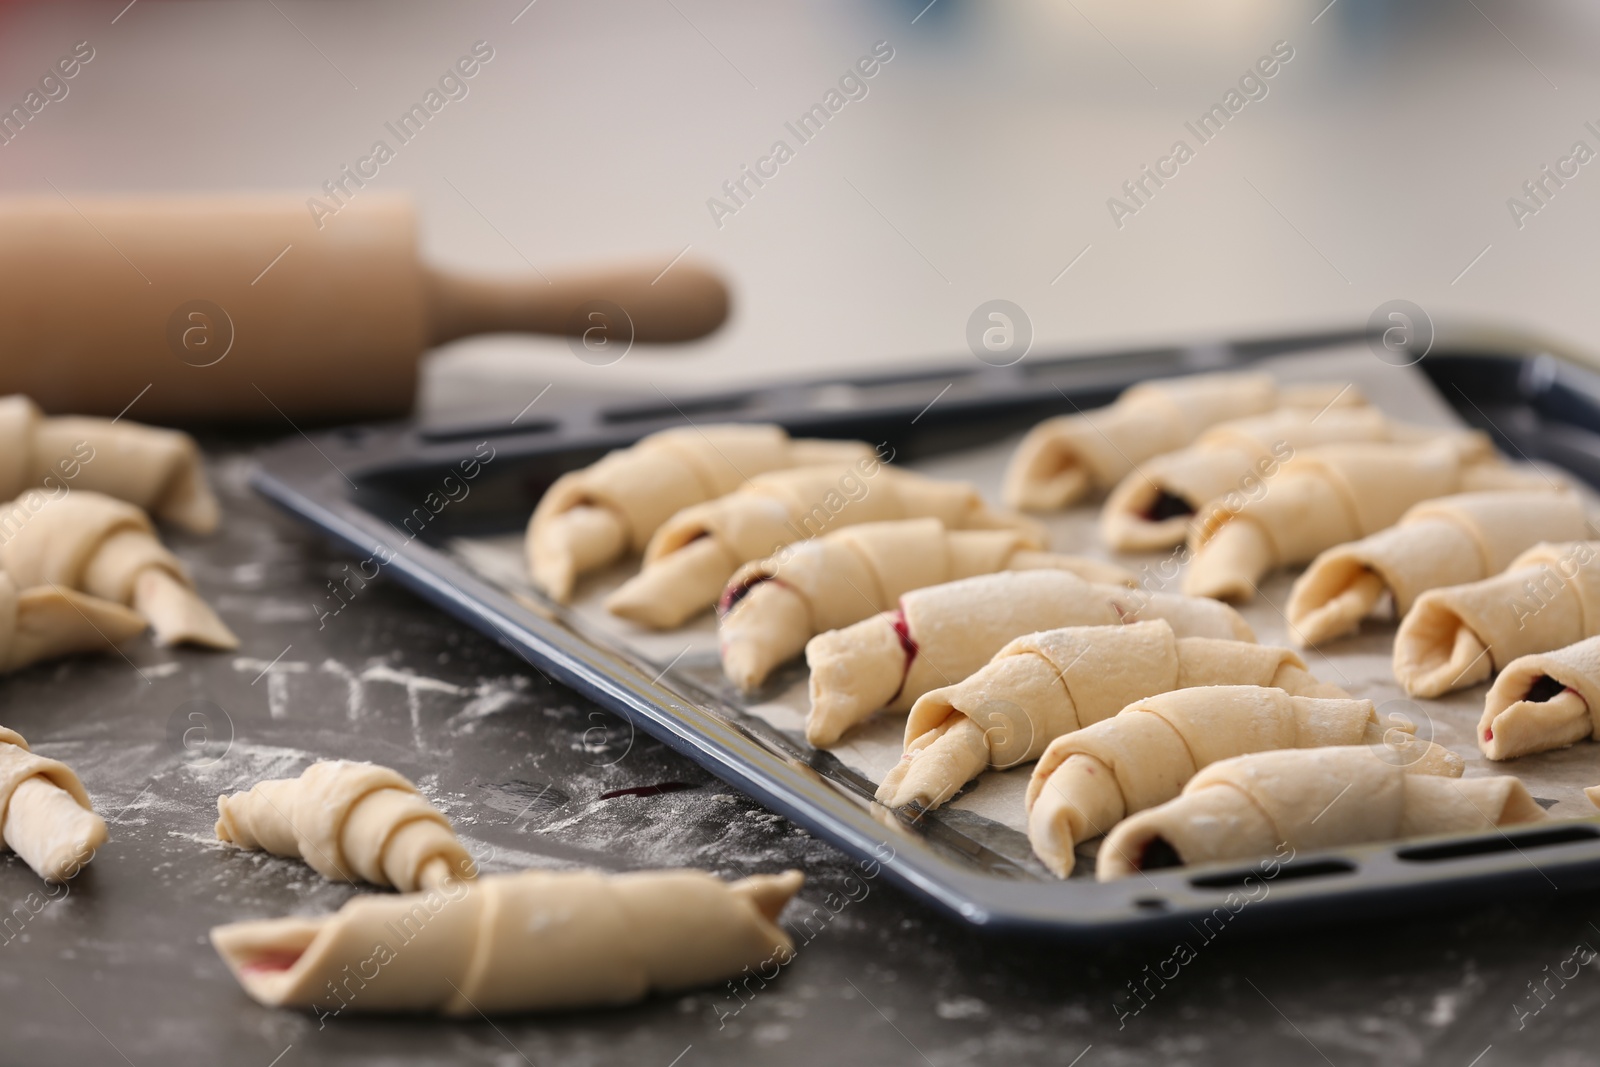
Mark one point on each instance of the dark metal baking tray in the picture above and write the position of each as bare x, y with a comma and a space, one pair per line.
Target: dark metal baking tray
362, 487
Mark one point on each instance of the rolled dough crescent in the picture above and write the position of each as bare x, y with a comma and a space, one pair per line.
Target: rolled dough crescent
1046, 685
940, 635
691, 557
533, 941
772, 607
90, 542
350, 822
1438, 543
1152, 507
1087, 782
45, 814
1542, 701
1254, 805
1065, 458
155, 469
593, 516
1325, 497
44, 622
1460, 635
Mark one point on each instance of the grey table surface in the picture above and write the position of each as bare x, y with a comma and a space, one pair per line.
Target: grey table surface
118, 969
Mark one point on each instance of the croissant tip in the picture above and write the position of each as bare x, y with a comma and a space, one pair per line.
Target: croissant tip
201, 522
822, 733
832, 716
742, 666
770, 892
629, 603
1053, 846
554, 580
1060, 865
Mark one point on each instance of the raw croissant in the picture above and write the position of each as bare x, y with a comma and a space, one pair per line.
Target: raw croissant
1542, 701
771, 608
942, 634
1448, 541
1319, 798
107, 548
1045, 685
1064, 458
43, 623
532, 941
157, 470
691, 557
593, 516
45, 814
350, 822
1327, 496
1087, 782
1458, 636
1152, 507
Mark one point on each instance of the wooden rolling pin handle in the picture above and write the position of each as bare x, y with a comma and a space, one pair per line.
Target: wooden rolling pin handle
679, 304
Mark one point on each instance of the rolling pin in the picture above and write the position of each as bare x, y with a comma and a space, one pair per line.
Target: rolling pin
242, 308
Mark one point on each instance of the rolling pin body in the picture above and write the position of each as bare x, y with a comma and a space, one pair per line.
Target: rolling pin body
241, 308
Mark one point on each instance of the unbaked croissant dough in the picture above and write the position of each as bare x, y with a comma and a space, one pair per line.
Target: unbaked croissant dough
43, 623
158, 470
1542, 701
1152, 507
1327, 496
107, 548
1309, 799
1064, 458
1044, 685
1448, 541
351, 822
532, 941
772, 607
593, 516
1088, 781
45, 814
1458, 636
940, 635
691, 557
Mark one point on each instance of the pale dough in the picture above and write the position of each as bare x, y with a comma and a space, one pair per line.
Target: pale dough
350, 822
781, 602
1327, 496
107, 548
1460, 635
158, 470
940, 635
1152, 507
1045, 685
1064, 458
43, 623
1448, 541
593, 516
1319, 798
1542, 701
693, 555
533, 941
45, 814
1088, 781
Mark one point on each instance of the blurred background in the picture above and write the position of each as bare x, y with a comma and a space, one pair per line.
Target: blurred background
1375, 164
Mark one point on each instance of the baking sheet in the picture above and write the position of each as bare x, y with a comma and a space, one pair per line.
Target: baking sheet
991, 808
